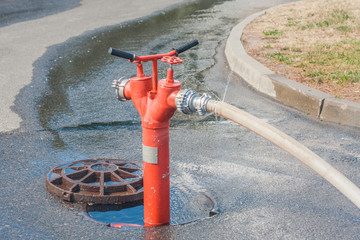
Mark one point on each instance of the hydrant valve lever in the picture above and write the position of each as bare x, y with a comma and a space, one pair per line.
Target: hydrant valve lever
156, 103
171, 60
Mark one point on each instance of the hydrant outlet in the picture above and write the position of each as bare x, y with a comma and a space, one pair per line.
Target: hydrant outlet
189, 101
119, 86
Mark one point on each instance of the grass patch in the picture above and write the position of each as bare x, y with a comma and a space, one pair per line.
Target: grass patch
292, 22
308, 26
339, 16
335, 18
344, 29
346, 77
315, 73
338, 62
296, 50
316, 43
273, 33
281, 57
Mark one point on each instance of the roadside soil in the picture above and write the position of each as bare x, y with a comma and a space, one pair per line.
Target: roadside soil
294, 28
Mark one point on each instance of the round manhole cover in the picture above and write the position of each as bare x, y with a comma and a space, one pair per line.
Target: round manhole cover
98, 181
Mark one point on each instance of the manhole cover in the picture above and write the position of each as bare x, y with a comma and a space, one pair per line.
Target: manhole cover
98, 181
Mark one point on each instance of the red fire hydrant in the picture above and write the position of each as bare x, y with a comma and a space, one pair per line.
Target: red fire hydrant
155, 102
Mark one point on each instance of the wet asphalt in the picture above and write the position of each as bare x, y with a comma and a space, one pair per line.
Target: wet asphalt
22, 10
71, 113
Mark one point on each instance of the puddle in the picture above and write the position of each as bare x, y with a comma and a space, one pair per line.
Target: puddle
186, 206
130, 215
53, 175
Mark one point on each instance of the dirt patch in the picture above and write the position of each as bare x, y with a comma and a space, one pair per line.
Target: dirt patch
316, 43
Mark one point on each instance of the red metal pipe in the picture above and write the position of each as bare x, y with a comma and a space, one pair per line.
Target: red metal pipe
156, 177
155, 108
155, 76
155, 102
155, 125
154, 57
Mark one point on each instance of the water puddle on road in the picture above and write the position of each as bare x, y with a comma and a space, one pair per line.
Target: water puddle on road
186, 206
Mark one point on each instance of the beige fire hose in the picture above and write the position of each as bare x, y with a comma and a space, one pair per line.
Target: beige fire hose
285, 142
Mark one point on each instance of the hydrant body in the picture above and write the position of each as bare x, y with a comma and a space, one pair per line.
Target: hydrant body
155, 102
155, 109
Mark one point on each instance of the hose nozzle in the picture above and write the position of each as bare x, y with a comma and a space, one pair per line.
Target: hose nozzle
189, 101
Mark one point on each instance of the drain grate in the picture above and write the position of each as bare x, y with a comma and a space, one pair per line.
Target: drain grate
97, 181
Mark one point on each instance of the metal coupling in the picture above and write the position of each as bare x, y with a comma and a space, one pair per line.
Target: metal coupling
119, 86
189, 101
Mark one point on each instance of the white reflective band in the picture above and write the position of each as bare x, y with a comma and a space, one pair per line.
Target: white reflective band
150, 154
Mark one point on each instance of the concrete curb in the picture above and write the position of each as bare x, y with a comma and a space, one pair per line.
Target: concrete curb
306, 99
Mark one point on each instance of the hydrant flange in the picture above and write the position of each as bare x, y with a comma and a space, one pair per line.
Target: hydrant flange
189, 101
119, 86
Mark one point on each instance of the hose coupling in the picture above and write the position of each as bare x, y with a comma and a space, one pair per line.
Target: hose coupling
189, 101
119, 86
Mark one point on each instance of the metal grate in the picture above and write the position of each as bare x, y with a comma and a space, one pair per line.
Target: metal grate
97, 181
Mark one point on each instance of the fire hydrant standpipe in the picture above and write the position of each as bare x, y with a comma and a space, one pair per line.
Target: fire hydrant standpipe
155, 102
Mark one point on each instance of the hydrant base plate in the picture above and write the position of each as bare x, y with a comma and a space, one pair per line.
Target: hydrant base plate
97, 181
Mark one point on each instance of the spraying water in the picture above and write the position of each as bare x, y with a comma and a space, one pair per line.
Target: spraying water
227, 84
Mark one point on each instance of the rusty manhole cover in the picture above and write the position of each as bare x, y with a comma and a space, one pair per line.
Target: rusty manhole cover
98, 181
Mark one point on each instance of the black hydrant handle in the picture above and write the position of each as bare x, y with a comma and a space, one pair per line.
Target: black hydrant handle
187, 46
122, 54
132, 57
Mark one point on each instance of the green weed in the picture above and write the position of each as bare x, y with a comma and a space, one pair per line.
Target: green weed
292, 22
339, 16
273, 33
346, 77
281, 57
315, 73
344, 29
308, 26
334, 18
337, 62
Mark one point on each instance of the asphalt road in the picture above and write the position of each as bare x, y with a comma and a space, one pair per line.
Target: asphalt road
262, 192
23, 43
23, 10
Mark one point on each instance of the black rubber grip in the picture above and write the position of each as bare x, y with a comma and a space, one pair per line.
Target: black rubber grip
187, 46
122, 54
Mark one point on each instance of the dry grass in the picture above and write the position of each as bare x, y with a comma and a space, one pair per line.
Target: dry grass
315, 42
